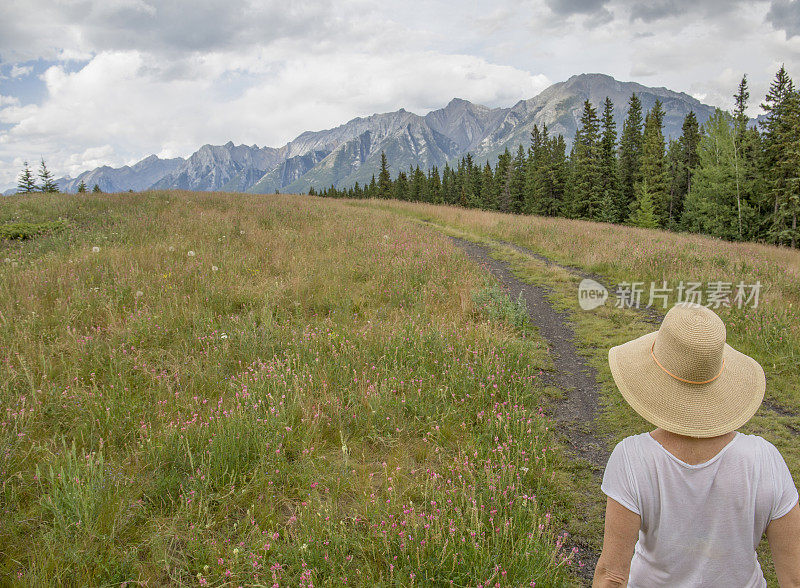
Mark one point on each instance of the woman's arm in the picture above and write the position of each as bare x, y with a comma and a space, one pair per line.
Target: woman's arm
619, 539
783, 535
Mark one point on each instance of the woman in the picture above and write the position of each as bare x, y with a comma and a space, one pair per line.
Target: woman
689, 502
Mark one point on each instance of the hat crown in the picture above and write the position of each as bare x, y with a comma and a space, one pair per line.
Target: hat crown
690, 343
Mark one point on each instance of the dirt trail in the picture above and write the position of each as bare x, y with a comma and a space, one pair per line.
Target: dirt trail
572, 373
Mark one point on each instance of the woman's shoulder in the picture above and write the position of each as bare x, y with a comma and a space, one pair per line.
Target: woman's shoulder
755, 445
633, 444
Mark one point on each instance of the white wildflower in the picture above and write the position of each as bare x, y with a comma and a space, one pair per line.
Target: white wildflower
214, 268
190, 253
171, 248
139, 294
95, 249
223, 336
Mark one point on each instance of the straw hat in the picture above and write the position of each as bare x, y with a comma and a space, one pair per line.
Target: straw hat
685, 379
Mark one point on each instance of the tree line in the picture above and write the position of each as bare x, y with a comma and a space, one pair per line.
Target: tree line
726, 178
26, 184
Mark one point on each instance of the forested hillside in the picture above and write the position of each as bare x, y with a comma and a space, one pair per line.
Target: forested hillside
725, 178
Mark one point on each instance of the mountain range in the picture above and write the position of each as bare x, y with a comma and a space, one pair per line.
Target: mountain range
351, 152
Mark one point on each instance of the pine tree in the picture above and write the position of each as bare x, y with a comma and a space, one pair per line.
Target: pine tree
739, 113
517, 183
449, 195
48, 184
96, 189
26, 184
434, 184
487, 184
400, 191
682, 160
557, 177
586, 187
535, 172
780, 171
608, 165
644, 214
384, 179
630, 153
785, 177
82, 187
676, 177
418, 185
502, 181
653, 163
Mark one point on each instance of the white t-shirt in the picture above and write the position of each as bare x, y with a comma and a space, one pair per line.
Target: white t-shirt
701, 523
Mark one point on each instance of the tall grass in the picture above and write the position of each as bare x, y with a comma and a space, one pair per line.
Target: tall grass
211, 389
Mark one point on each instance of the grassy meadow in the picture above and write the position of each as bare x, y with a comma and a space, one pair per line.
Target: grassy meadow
226, 390
235, 390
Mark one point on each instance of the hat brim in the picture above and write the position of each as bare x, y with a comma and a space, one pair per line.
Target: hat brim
694, 410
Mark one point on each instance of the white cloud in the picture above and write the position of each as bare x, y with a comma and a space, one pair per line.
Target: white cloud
124, 104
19, 71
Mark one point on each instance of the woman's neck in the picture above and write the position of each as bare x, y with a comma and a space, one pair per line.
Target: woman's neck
692, 450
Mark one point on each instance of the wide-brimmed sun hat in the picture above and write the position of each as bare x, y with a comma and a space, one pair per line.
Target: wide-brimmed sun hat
685, 378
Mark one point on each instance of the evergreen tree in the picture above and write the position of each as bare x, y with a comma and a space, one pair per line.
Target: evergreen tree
780, 149
449, 195
48, 184
785, 176
682, 159
690, 141
677, 178
557, 176
535, 171
418, 185
502, 181
489, 192
586, 186
400, 191
630, 153
434, 184
653, 162
643, 214
517, 183
96, 189
384, 179
82, 187
26, 184
608, 166
739, 113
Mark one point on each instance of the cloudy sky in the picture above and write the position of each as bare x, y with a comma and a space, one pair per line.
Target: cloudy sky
91, 82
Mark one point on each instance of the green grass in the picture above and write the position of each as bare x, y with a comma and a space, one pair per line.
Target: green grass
317, 394
21, 230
